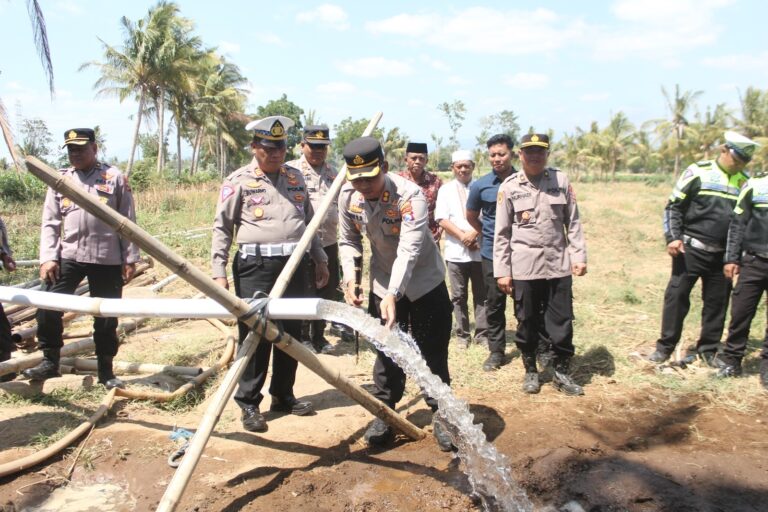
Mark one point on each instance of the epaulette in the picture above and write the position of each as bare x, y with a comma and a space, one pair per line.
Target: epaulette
513, 176
704, 163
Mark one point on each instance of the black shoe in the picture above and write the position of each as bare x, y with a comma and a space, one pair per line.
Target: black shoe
658, 357
494, 361
709, 359
114, 382
291, 406
322, 346
718, 362
342, 331
47, 369
253, 420
730, 370
441, 436
565, 384
531, 383
378, 433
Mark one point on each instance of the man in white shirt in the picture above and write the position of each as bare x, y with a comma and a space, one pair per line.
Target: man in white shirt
462, 250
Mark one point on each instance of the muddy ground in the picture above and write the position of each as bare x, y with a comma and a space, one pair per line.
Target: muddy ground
617, 448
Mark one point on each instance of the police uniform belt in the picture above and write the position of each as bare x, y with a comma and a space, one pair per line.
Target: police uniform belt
698, 244
763, 255
268, 250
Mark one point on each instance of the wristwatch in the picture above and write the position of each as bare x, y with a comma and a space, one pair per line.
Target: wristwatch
396, 292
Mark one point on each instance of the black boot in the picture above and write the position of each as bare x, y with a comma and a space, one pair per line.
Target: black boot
563, 381
531, 384
106, 375
48, 367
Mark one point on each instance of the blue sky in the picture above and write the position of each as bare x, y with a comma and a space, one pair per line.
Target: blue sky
558, 65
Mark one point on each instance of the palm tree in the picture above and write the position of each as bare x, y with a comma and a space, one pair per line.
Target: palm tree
616, 137
138, 68
674, 128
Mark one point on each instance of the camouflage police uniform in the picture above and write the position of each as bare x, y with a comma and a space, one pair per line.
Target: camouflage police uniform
698, 213
747, 247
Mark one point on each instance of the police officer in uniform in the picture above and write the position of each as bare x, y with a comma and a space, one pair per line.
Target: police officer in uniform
318, 176
696, 228
406, 271
538, 245
264, 207
6, 341
746, 255
75, 244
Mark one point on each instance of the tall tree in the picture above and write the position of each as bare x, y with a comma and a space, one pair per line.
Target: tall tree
36, 139
348, 129
673, 129
284, 107
454, 113
616, 137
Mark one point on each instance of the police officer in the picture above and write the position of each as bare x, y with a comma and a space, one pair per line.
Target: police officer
696, 228
538, 245
416, 157
6, 341
746, 255
265, 207
481, 215
407, 273
318, 176
75, 244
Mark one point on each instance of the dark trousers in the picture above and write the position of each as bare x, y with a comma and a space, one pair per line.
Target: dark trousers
103, 281
752, 284
460, 275
6, 341
544, 312
495, 305
687, 268
428, 319
330, 291
257, 273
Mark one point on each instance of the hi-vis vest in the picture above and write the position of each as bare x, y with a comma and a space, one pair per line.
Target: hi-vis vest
702, 202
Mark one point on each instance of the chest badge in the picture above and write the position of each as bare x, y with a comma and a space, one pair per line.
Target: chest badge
258, 212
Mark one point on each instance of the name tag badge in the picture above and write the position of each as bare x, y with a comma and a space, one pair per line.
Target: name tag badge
106, 188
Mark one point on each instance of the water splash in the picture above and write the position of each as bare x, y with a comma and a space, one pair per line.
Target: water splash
487, 469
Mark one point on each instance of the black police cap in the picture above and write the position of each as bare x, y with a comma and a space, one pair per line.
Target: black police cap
363, 157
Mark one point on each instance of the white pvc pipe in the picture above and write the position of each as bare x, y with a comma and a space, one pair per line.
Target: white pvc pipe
279, 309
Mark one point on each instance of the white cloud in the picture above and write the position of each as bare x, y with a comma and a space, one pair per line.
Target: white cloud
484, 30
415, 103
336, 88
736, 62
435, 64
523, 80
658, 29
229, 47
329, 15
374, 67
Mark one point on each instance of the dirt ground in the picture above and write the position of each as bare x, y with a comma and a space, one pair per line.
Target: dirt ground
606, 451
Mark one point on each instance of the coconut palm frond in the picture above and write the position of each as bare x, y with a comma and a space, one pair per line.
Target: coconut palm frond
5, 127
41, 39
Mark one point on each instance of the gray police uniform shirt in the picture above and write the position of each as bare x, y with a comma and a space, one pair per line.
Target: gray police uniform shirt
319, 182
538, 232
254, 211
404, 257
69, 232
5, 247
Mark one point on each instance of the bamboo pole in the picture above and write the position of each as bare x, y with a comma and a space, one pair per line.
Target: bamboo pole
234, 305
319, 216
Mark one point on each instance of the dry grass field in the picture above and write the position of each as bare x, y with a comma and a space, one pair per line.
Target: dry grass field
641, 439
